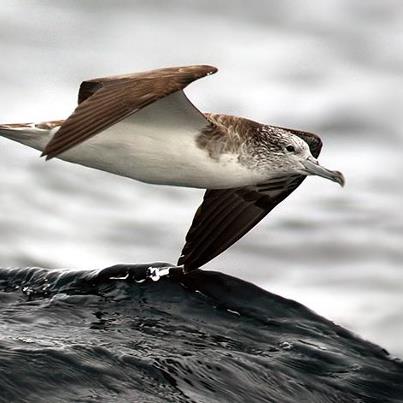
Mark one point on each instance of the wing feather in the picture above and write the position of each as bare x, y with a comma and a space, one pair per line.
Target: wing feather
105, 101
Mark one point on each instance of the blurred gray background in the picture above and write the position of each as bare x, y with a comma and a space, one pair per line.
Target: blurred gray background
333, 67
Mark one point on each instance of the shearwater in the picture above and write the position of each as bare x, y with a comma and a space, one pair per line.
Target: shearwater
143, 126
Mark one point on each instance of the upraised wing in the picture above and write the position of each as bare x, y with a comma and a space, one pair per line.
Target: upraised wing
104, 102
226, 215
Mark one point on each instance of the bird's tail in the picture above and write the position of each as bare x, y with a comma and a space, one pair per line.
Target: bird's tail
35, 135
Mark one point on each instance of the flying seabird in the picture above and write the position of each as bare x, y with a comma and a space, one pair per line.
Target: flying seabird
143, 126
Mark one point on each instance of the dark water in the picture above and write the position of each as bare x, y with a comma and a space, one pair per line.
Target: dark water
99, 336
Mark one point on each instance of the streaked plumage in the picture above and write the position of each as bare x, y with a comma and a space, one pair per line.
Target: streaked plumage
144, 127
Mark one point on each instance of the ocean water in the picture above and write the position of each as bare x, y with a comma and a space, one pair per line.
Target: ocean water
206, 337
334, 67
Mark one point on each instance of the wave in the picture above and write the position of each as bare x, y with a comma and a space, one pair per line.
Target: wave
91, 336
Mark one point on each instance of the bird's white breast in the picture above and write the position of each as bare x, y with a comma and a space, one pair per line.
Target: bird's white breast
167, 157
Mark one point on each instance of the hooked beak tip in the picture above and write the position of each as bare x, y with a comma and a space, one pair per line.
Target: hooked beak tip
339, 178
312, 167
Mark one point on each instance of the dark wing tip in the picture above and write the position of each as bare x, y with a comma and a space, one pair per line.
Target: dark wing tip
88, 88
52, 149
313, 140
47, 154
181, 261
202, 68
192, 72
208, 70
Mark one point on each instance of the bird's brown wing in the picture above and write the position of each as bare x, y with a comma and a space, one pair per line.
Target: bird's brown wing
106, 101
226, 215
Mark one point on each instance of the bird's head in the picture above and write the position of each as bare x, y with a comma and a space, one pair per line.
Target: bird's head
289, 153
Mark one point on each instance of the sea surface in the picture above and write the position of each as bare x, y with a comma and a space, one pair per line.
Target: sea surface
334, 67
205, 337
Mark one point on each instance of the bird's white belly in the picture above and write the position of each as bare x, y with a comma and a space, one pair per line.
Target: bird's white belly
169, 158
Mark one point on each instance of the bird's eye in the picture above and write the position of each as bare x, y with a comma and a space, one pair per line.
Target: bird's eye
291, 149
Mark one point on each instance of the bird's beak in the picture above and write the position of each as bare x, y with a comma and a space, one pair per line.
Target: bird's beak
312, 167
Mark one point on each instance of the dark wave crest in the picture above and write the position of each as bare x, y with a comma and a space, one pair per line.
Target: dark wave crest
91, 336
